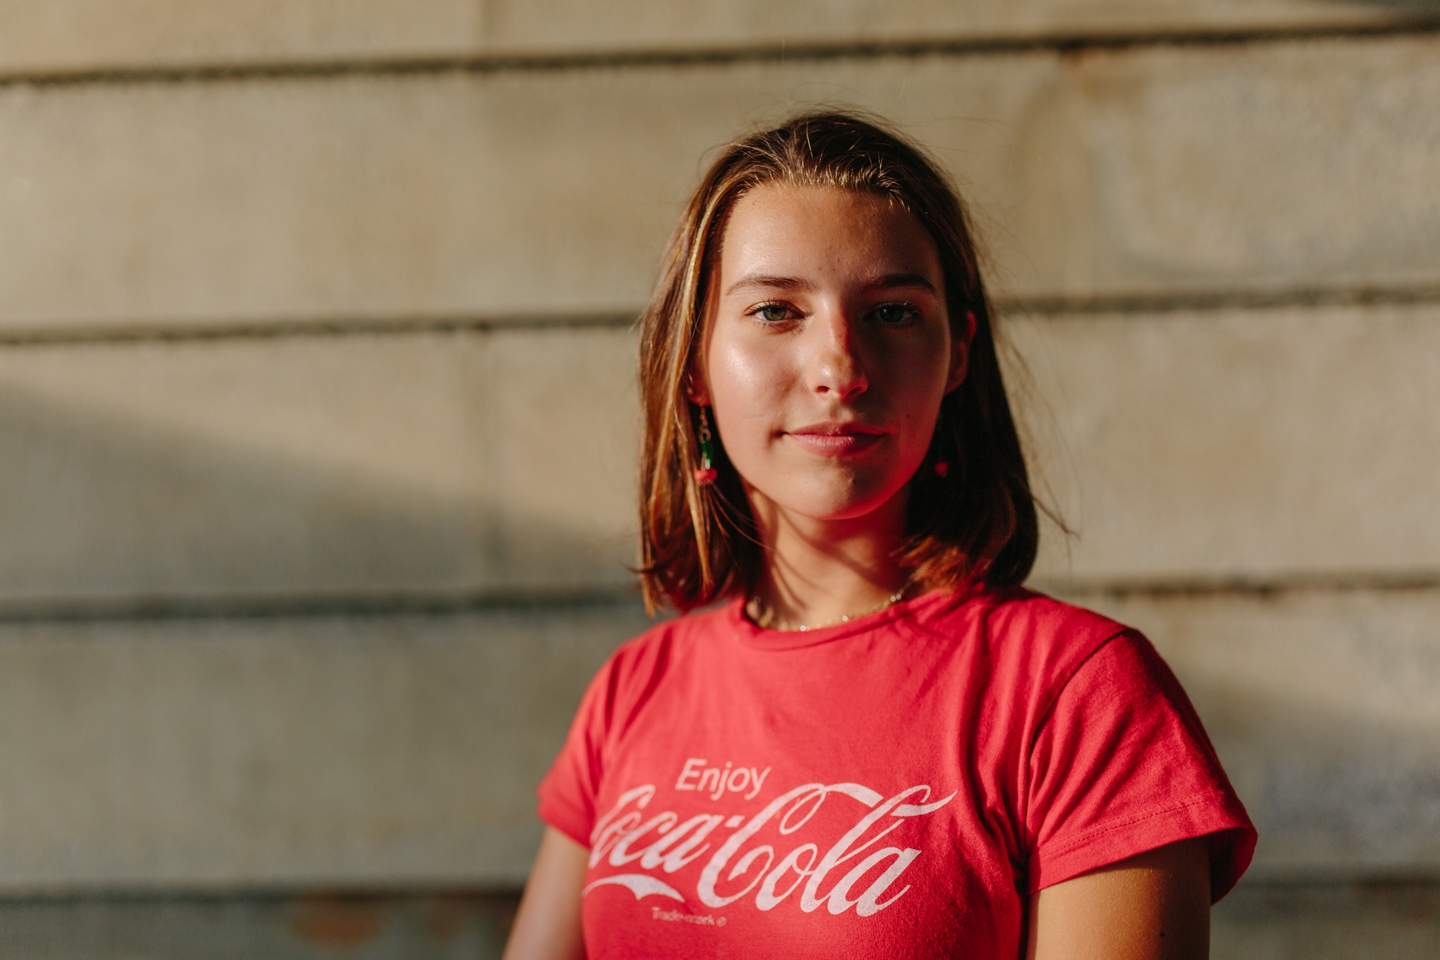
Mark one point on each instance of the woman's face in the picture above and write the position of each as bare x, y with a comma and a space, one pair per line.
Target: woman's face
828, 349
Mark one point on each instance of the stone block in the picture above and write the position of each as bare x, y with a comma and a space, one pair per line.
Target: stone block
1322, 706
293, 469
1270, 167
274, 752
558, 412
70, 35
87, 35
1236, 445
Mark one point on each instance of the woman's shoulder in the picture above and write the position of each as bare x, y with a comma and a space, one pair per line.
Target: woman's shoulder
1026, 633
1023, 615
1043, 619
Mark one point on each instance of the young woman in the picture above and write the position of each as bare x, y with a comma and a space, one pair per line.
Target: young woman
879, 744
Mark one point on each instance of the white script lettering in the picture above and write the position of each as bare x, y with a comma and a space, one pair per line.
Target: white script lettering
662, 841
694, 775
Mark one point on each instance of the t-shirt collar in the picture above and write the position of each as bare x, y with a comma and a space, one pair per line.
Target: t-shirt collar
755, 636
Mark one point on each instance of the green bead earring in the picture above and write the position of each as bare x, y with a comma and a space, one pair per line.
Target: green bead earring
706, 473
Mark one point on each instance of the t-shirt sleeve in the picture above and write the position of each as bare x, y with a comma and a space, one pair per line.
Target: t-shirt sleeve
568, 791
1120, 765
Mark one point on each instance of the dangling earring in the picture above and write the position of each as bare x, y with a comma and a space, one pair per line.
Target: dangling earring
942, 466
706, 473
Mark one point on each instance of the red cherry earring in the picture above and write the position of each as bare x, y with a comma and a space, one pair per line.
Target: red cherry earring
706, 473
942, 466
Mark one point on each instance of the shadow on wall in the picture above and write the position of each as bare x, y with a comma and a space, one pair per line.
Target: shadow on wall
93, 504
252, 470
369, 752
1333, 794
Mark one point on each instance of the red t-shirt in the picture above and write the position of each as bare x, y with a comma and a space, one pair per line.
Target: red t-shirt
895, 786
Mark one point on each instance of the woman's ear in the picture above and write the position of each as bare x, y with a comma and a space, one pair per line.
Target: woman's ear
960, 352
696, 392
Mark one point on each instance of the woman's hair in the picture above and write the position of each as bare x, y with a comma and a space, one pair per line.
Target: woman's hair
698, 543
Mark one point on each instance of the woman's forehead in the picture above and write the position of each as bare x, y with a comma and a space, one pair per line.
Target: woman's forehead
782, 229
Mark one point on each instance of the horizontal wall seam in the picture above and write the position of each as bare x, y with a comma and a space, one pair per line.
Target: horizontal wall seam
1360, 882
1202, 301
1244, 585
1413, 24
361, 895
79, 333
319, 604
1056, 307
561, 599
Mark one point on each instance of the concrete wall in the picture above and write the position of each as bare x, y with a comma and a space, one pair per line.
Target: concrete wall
317, 421
68, 36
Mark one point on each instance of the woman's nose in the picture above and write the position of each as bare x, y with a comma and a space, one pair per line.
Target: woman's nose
836, 365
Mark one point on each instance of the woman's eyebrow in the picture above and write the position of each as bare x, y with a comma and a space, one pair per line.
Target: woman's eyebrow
775, 283
884, 282
902, 280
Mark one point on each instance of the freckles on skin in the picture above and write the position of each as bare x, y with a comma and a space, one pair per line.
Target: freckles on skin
827, 320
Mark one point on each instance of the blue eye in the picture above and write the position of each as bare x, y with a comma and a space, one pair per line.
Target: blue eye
893, 314
772, 312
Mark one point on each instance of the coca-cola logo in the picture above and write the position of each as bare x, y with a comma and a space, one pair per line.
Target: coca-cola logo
629, 835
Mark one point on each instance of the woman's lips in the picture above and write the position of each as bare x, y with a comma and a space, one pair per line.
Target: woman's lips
837, 440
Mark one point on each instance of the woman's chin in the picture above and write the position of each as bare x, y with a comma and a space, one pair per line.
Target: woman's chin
845, 505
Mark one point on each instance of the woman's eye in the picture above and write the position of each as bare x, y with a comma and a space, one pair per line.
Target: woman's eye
893, 314
772, 312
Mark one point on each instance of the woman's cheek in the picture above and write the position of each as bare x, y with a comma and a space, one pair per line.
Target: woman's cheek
752, 365
747, 432
747, 388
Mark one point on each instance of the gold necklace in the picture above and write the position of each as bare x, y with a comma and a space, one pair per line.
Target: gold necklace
765, 618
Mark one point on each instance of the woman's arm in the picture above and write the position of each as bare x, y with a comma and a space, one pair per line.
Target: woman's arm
1155, 906
548, 924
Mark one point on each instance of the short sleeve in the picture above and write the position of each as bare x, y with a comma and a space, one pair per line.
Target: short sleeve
567, 793
1121, 765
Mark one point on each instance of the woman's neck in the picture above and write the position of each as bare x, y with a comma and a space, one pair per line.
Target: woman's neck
819, 572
